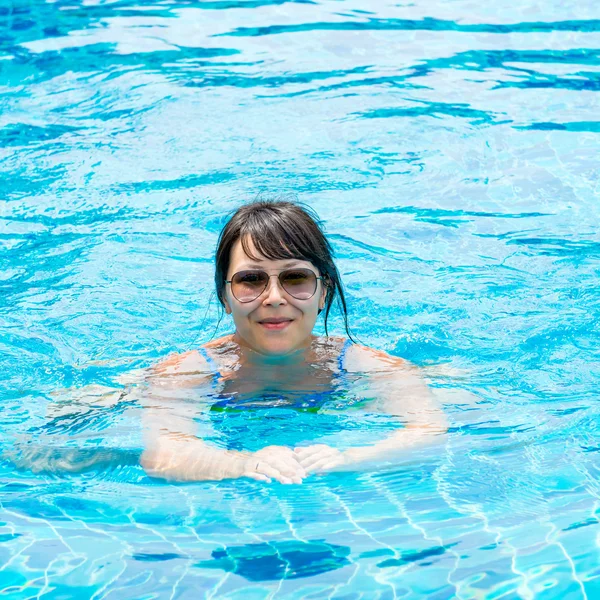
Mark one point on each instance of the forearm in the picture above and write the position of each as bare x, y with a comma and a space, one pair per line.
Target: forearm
396, 444
187, 458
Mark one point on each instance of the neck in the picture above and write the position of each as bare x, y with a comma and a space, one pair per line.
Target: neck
251, 356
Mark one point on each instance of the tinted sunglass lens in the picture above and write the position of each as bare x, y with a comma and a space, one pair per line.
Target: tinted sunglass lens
299, 283
249, 285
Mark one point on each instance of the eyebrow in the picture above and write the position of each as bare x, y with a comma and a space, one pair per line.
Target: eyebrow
261, 267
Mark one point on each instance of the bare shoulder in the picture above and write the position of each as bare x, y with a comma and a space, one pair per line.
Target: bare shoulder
189, 362
364, 359
193, 368
186, 362
222, 342
180, 371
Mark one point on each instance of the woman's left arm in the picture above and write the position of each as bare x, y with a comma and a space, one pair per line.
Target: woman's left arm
401, 392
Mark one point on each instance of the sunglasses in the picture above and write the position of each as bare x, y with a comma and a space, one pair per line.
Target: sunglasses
247, 286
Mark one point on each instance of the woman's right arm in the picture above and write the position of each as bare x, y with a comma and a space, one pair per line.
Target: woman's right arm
177, 456
173, 451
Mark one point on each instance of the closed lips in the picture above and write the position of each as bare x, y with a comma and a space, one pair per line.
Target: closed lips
275, 324
275, 320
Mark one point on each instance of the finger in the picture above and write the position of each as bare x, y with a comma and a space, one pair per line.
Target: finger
303, 451
281, 458
308, 462
273, 472
319, 465
332, 465
309, 456
288, 468
287, 464
256, 476
285, 451
290, 476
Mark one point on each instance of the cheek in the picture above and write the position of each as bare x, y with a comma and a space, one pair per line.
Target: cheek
311, 312
232, 306
239, 311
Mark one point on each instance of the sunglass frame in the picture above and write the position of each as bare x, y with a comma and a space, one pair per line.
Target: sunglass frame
268, 278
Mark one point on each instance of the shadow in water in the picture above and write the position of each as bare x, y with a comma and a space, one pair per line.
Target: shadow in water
279, 560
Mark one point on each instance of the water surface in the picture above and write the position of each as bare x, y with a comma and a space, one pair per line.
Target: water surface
451, 149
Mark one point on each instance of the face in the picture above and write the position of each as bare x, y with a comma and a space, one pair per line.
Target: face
275, 323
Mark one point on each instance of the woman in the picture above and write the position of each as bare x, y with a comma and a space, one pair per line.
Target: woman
274, 275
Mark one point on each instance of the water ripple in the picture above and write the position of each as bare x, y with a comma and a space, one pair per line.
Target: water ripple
426, 24
454, 163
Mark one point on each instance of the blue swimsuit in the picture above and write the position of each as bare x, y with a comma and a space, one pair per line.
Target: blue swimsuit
277, 418
217, 374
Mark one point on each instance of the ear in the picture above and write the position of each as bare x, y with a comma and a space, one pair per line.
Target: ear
226, 304
323, 297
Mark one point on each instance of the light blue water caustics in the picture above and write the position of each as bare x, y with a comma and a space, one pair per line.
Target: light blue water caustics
452, 150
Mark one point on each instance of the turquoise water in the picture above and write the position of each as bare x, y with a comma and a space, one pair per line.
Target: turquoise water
452, 149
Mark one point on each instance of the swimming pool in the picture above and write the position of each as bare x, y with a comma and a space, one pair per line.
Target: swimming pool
451, 148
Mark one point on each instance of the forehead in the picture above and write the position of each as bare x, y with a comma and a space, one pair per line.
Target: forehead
240, 260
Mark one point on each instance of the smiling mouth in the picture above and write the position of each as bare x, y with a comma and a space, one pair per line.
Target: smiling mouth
275, 324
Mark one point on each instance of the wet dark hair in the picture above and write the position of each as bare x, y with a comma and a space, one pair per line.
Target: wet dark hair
279, 230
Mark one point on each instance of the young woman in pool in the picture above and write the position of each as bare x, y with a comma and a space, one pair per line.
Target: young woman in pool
274, 275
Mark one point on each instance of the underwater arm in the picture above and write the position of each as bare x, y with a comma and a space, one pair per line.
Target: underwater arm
174, 455
48, 448
174, 452
405, 395
181, 458
401, 392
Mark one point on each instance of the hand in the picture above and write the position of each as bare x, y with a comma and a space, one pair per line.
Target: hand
277, 462
320, 458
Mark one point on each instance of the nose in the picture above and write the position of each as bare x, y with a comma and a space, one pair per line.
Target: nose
274, 295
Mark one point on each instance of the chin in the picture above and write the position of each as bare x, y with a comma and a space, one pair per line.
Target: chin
274, 344
276, 347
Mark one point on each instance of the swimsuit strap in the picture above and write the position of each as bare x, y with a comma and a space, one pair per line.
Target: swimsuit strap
342, 355
212, 364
